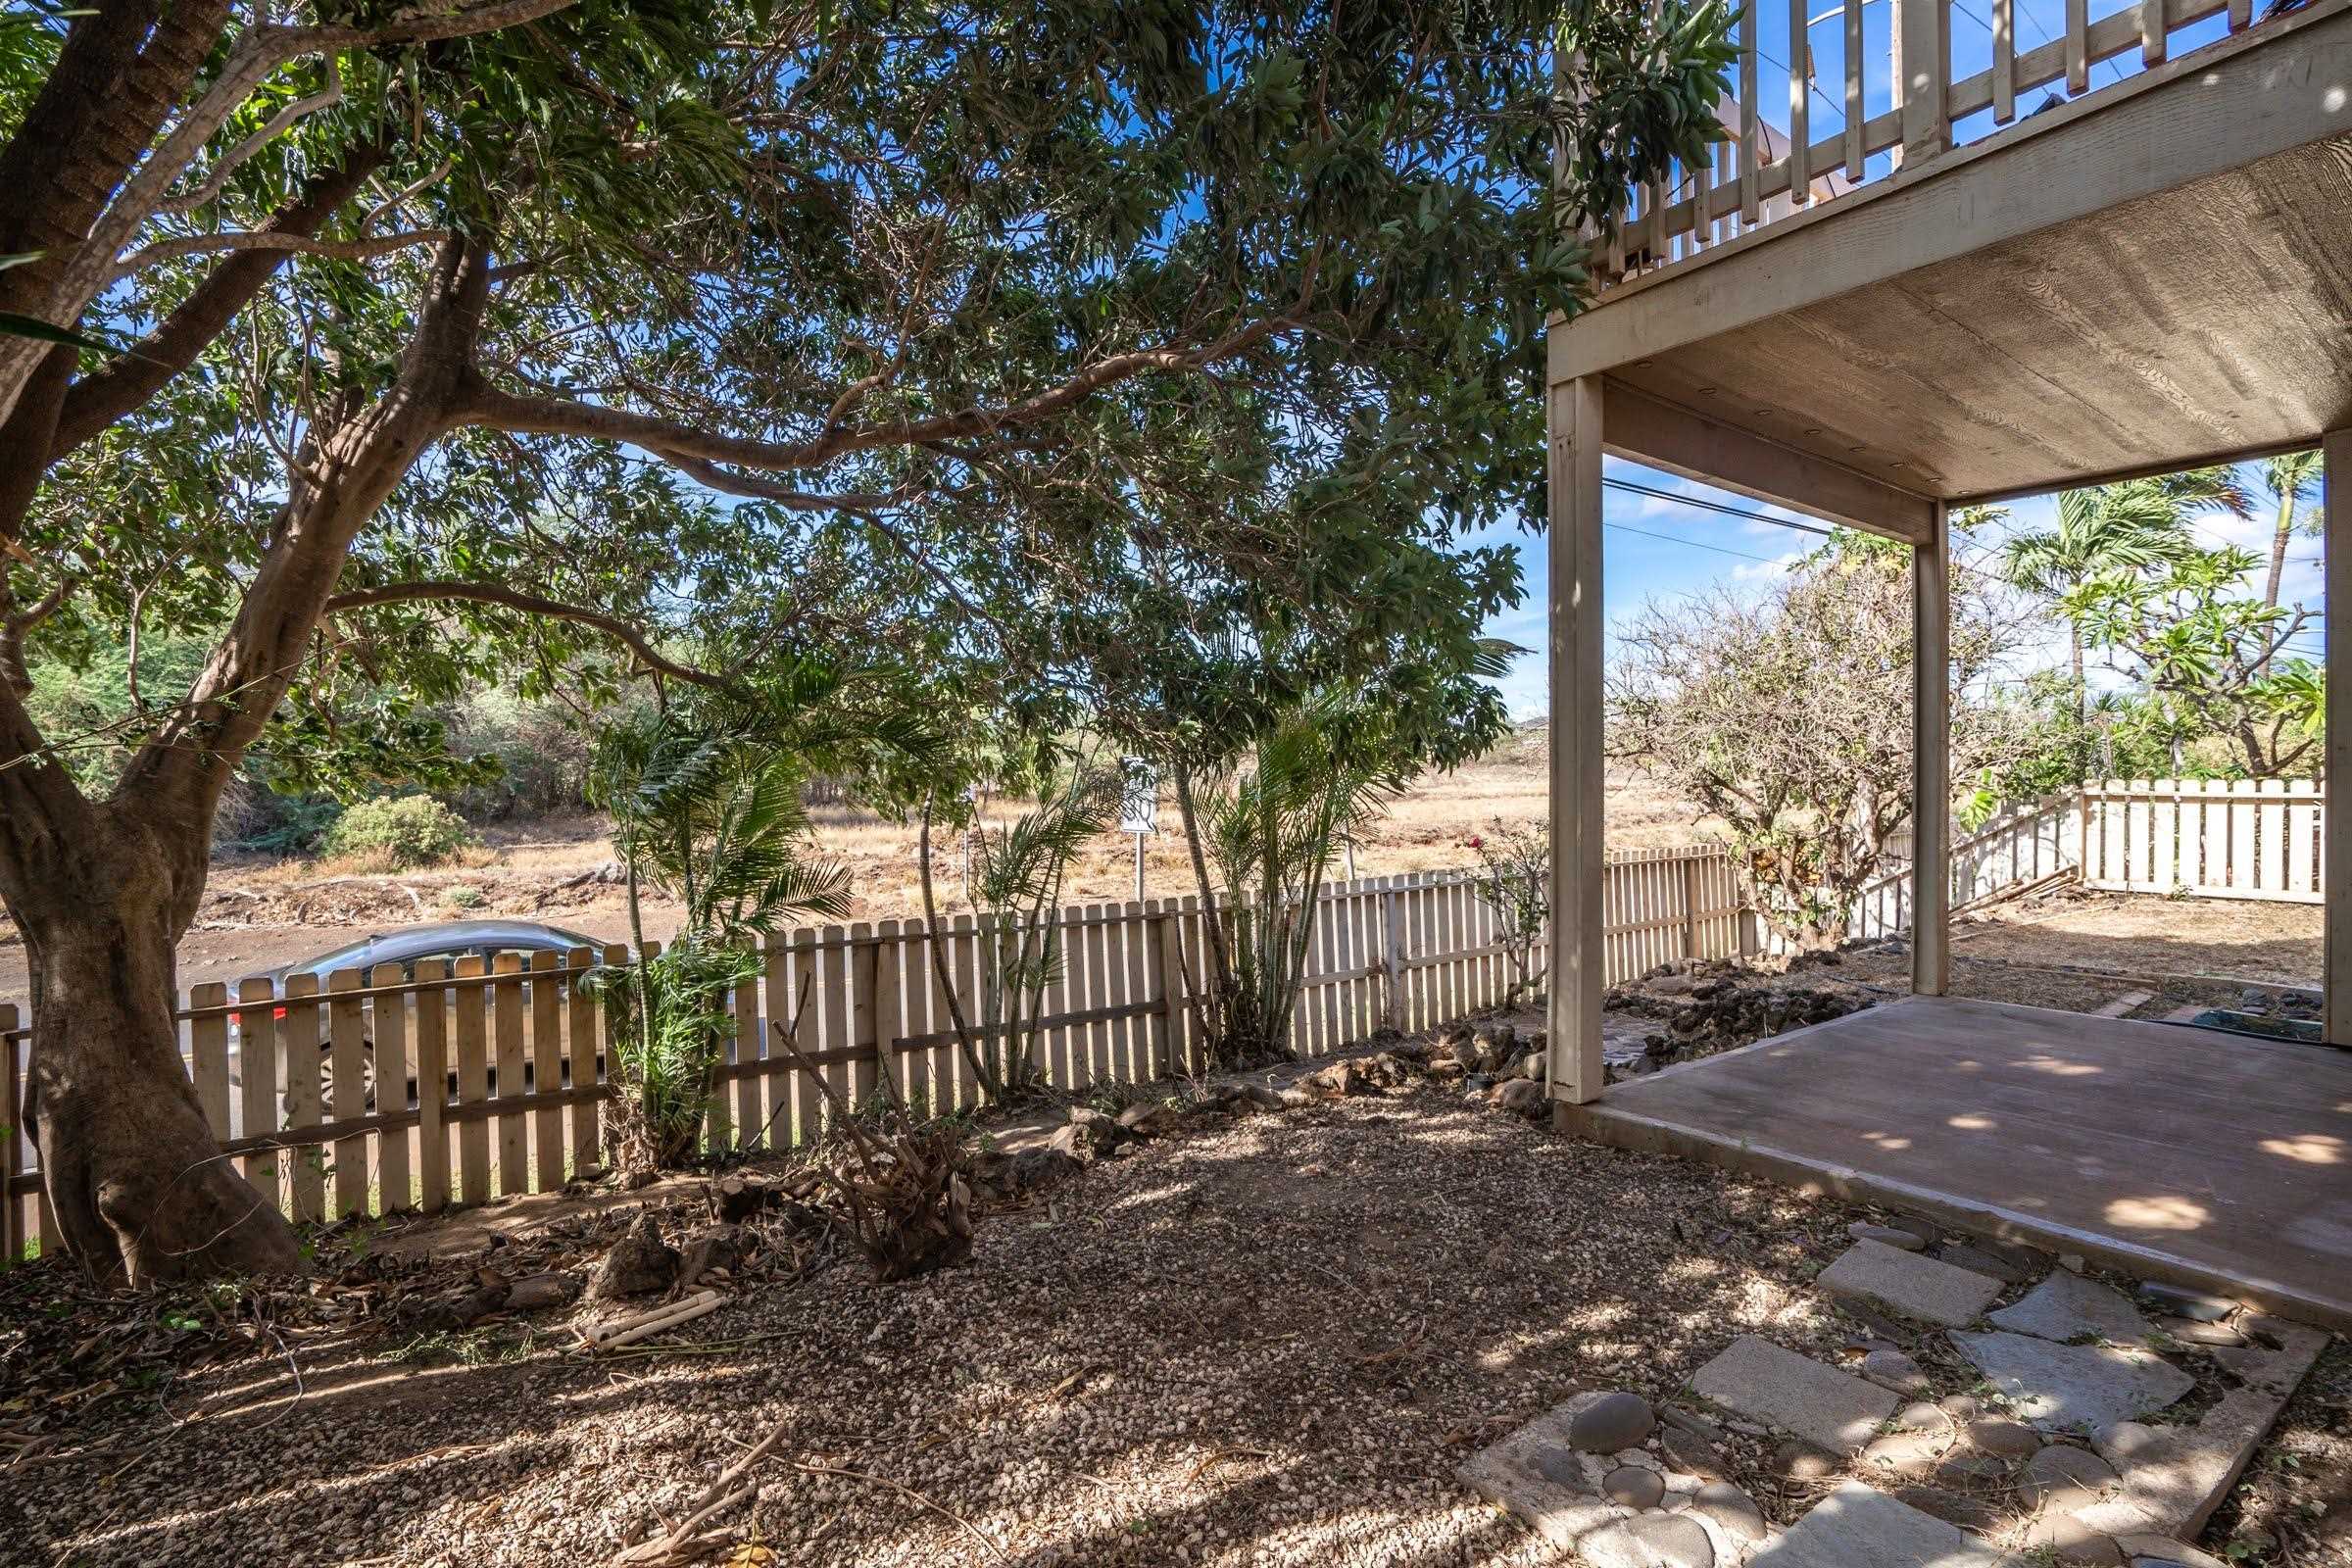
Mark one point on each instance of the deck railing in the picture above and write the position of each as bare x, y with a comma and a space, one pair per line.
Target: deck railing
1877, 77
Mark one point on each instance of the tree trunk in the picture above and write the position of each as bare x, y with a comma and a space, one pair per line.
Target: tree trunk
140, 1188
2278, 537
2074, 640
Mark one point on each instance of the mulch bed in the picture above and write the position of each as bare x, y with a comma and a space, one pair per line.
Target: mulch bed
1259, 1341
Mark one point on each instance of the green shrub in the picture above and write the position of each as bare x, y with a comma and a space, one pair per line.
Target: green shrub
411, 830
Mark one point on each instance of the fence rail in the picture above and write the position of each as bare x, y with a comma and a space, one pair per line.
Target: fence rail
1820, 122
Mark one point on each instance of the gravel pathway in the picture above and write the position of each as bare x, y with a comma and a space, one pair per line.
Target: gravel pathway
1262, 1341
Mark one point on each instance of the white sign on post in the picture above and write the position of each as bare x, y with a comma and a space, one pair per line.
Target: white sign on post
1138, 806
1138, 800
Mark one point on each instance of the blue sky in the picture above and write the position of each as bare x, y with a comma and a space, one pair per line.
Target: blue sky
1663, 549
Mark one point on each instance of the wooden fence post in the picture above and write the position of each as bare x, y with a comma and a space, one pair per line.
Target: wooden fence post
1691, 903
12, 1155
1391, 958
884, 990
1167, 965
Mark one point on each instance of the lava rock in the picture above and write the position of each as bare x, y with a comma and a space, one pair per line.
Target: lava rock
640, 1264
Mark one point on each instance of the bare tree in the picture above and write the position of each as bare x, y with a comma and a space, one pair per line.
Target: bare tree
1786, 713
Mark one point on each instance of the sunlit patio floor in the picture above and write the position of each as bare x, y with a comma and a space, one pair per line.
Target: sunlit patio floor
2185, 1154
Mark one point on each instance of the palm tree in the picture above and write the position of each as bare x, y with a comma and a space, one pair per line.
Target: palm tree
2133, 525
2291, 480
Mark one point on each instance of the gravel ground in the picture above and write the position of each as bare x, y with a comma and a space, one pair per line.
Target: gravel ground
1268, 1342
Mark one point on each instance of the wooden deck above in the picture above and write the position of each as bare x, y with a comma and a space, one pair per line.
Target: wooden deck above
2153, 275
2186, 1154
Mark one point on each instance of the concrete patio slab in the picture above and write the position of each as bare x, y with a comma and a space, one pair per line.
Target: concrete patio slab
2205, 1159
2074, 1387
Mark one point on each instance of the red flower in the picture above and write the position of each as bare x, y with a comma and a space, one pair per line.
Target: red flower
1475, 842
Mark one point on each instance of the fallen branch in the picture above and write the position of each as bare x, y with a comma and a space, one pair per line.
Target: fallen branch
909, 1492
722, 1493
637, 1326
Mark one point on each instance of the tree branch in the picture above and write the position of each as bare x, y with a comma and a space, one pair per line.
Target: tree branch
325, 97
128, 380
267, 239
671, 440
612, 626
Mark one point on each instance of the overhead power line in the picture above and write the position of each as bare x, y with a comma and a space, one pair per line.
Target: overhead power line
1631, 487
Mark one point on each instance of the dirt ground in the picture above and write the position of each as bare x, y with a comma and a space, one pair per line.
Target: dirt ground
1267, 1344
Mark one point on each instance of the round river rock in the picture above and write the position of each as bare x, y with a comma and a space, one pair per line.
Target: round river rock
1612, 1422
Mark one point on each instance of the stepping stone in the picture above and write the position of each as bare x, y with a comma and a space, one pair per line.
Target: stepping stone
1634, 1486
2002, 1439
1536, 1475
1859, 1527
1893, 1369
2182, 1301
2121, 1005
2068, 1387
2147, 1551
2067, 1306
2064, 1479
1978, 1260
1652, 1540
1764, 1382
1953, 1507
1612, 1422
1909, 1284
1886, 1236
2059, 1538
1734, 1511
2175, 1475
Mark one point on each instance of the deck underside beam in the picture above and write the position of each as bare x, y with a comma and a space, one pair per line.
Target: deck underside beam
1663, 435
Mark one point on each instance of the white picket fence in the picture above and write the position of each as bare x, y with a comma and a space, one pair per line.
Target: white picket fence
2210, 838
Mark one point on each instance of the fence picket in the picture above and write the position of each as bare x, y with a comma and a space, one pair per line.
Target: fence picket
299, 1032
208, 1055
471, 1005
547, 1072
390, 1018
432, 1086
257, 1066
506, 1020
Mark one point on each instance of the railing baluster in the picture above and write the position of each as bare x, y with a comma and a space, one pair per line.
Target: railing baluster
1800, 134
1855, 113
2004, 61
2151, 32
2077, 46
1750, 208
2241, 13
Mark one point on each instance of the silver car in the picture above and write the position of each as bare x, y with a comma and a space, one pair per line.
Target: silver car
450, 941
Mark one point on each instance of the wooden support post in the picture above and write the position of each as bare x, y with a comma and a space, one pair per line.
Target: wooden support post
1931, 760
1391, 958
1577, 784
2336, 877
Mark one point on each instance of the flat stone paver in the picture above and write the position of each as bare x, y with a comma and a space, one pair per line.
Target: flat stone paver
2068, 1306
1766, 1382
2072, 1387
1909, 1284
1859, 1527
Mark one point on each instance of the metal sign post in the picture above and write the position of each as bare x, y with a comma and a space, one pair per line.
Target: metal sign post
1138, 806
